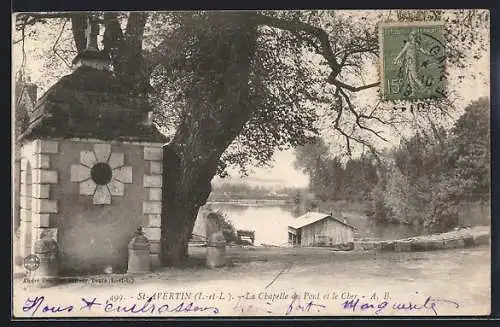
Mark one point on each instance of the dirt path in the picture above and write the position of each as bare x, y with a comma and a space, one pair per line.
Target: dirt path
459, 276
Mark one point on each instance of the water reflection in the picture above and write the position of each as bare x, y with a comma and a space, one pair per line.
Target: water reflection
270, 223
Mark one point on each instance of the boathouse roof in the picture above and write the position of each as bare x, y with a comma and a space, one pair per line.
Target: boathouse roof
313, 217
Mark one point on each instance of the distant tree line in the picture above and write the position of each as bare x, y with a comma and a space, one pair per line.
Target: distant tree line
425, 181
233, 191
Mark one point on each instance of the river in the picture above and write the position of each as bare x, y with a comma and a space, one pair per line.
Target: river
270, 222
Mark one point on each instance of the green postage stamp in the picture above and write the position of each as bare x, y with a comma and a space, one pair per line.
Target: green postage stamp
412, 60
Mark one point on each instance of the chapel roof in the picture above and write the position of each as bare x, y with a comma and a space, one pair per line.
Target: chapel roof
91, 103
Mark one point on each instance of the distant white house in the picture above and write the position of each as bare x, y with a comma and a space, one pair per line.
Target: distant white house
320, 229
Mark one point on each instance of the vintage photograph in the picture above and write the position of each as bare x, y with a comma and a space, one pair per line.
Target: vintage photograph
273, 163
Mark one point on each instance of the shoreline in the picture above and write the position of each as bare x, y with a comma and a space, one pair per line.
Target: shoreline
250, 202
462, 238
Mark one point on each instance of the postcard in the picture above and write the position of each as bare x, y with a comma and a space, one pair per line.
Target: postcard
251, 163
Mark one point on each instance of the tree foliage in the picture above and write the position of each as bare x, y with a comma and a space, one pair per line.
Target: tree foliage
471, 152
424, 181
332, 178
276, 92
306, 64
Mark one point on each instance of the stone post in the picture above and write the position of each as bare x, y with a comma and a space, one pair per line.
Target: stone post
138, 257
216, 244
46, 260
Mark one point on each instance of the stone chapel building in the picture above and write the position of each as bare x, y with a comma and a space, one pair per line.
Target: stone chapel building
90, 173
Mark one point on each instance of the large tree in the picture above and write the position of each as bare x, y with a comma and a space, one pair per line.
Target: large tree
231, 87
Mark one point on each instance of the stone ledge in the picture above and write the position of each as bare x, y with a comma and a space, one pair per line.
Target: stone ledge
156, 167
44, 206
152, 233
402, 246
387, 246
152, 180
483, 239
24, 165
25, 215
42, 176
364, 246
41, 161
44, 146
25, 227
37, 232
154, 247
41, 191
22, 189
23, 201
154, 221
373, 245
130, 142
155, 194
151, 153
26, 234
453, 243
151, 207
450, 240
41, 220
427, 246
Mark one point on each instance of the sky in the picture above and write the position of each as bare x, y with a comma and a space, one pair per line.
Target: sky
282, 171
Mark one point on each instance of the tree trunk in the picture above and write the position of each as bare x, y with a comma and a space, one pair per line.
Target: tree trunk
216, 112
78, 24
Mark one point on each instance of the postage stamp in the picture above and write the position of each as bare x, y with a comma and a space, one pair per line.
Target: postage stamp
412, 59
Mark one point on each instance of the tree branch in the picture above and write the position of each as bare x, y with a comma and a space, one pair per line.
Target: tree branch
371, 116
337, 121
135, 30
113, 35
296, 26
125, 49
339, 107
48, 15
54, 47
352, 88
78, 24
358, 116
349, 52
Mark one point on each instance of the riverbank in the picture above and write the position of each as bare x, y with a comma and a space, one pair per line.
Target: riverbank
463, 238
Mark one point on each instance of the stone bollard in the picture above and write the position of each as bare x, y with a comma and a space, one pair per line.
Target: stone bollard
216, 250
138, 254
216, 243
46, 271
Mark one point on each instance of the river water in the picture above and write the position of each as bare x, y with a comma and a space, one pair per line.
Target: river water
270, 222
